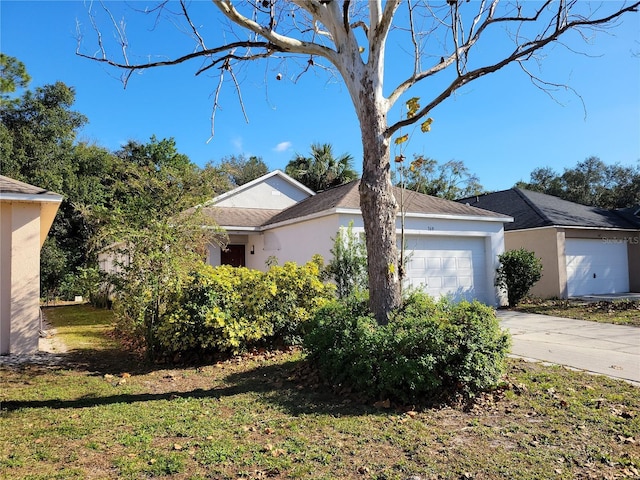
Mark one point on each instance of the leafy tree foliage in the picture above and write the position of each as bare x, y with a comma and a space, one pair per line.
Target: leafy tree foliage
152, 230
241, 170
38, 146
154, 262
322, 170
519, 270
591, 182
451, 180
154, 181
13, 75
41, 129
137, 184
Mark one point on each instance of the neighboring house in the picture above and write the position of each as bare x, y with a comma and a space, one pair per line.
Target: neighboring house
452, 249
26, 214
584, 250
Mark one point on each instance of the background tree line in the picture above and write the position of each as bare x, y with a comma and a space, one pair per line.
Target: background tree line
590, 182
133, 186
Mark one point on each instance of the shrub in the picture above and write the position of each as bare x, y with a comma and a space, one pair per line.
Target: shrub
227, 309
519, 271
427, 350
348, 267
296, 292
209, 316
89, 282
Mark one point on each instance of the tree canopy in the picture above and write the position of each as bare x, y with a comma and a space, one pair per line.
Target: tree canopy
13, 75
451, 180
240, 170
133, 187
590, 182
322, 170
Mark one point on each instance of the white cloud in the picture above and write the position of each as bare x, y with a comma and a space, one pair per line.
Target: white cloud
283, 147
237, 143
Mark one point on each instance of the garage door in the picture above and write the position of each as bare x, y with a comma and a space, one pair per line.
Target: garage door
596, 267
450, 266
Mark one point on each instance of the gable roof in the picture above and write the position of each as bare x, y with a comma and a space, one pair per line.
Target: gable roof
534, 210
252, 183
15, 190
347, 197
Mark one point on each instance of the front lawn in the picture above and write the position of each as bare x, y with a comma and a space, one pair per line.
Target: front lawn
107, 415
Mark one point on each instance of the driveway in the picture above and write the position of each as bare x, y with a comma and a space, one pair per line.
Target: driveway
612, 350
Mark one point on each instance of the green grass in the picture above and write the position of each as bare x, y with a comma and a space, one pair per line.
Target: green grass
620, 312
82, 326
259, 417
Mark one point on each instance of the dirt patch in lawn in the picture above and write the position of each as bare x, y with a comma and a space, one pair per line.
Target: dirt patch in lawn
620, 312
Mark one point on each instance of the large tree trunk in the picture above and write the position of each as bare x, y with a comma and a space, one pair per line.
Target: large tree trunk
379, 208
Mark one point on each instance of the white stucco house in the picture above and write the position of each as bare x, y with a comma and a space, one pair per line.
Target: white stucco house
26, 215
452, 248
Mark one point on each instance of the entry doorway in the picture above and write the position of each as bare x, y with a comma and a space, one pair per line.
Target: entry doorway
233, 255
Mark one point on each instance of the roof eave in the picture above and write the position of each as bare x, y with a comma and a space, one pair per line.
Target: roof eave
26, 197
357, 211
235, 228
575, 227
454, 216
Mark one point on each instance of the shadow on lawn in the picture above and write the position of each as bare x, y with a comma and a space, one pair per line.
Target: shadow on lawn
269, 382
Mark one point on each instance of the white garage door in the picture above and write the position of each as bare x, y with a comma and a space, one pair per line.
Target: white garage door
448, 266
595, 267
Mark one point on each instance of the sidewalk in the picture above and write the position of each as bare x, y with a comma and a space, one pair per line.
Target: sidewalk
612, 350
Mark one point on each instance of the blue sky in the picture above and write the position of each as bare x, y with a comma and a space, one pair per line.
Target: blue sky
501, 126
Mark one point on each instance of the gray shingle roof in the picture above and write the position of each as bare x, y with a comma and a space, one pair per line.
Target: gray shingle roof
345, 196
533, 209
11, 186
240, 217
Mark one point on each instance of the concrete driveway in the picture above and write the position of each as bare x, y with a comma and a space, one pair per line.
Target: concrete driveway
612, 350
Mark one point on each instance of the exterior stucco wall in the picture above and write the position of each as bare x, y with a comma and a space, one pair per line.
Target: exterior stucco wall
5, 276
633, 246
548, 245
298, 242
21, 237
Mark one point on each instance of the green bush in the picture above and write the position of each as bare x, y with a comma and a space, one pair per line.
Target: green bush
227, 309
519, 271
295, 293
427, 350
348, 267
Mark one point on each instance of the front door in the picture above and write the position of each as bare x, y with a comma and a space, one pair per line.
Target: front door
233, 255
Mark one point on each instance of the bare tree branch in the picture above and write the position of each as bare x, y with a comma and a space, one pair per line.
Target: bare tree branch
416, 49
545, 86
285, 44
522, 51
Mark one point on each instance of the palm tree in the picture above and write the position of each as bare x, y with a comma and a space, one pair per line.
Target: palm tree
322, 170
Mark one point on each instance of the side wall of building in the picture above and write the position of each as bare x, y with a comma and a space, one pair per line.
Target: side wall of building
20, 297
